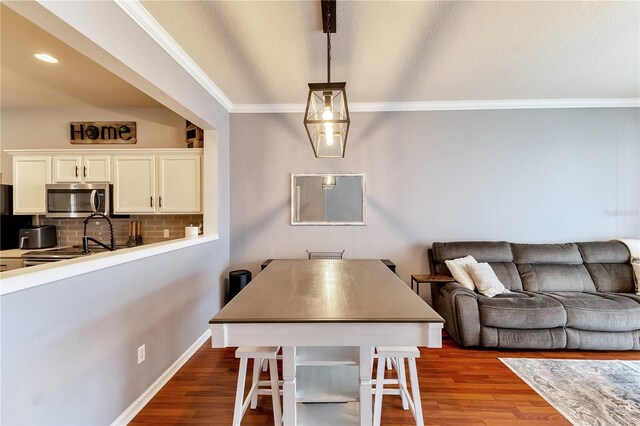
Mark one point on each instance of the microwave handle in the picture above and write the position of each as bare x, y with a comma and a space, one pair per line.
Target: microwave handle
92, 199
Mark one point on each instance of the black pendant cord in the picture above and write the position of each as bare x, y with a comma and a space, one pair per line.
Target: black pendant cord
328, 46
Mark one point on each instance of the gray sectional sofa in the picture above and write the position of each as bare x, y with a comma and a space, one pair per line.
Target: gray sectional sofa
573, 296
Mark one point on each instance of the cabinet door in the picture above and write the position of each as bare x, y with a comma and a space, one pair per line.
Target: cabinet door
179, 184
96, 168
30, 175
67, 169
134, 184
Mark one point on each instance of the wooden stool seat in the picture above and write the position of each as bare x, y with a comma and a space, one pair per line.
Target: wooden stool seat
263, 352
399, 351
258, 387
398, 355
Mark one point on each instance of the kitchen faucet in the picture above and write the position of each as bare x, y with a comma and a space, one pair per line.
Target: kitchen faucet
85, 239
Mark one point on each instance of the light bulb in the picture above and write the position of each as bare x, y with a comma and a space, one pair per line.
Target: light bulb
327, 114
328, 132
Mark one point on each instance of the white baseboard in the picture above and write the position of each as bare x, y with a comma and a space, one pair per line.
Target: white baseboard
146, 396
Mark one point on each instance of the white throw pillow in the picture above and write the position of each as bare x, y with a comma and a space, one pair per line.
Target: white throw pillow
636, 274
486, 279
459, 271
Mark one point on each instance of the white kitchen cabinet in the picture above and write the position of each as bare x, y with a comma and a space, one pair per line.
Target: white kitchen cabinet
179, 178
145, 181
96, 168
178, 183
30, 175
76, 168
134, 184
67, 169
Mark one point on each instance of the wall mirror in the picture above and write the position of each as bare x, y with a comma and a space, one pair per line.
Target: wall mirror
328, 199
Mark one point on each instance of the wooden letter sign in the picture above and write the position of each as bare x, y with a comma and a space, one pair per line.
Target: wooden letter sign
103, 132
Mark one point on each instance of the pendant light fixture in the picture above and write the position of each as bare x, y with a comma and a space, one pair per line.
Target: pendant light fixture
326, 116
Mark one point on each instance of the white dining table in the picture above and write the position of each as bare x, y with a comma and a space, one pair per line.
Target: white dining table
312, 308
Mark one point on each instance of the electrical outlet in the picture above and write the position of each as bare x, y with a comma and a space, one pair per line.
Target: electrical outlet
141, 354
166, 233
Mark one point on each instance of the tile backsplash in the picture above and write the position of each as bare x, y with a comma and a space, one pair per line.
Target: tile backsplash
153, 226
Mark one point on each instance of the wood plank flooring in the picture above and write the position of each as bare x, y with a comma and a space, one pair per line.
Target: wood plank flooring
458, 386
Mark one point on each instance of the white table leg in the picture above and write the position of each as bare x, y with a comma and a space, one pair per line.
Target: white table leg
289, 415
366, 415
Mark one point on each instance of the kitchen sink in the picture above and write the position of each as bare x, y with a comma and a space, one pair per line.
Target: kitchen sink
33, 258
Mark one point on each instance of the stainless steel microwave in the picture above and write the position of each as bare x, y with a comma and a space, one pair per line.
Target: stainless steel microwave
68, 200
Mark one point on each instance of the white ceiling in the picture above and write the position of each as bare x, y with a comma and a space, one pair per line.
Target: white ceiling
75, 81
265, 52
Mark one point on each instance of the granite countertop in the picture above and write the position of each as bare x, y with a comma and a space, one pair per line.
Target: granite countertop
17, 253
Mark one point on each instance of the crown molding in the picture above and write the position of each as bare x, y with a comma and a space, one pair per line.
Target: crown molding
143, 18
450, 105
268, 108
147, 22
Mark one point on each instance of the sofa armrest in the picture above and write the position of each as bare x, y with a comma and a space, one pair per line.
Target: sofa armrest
459, 307
455, 288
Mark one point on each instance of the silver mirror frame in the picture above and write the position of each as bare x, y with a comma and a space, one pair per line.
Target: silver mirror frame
294, 198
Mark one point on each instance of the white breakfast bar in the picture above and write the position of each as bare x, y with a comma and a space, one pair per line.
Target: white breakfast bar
328, 316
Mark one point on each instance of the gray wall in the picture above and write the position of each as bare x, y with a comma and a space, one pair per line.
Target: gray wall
518, 175
69, 349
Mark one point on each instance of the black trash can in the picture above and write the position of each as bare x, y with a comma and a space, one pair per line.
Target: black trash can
237, 281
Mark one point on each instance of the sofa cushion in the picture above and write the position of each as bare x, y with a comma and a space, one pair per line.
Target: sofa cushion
632, 296
460, 272
546, 253
549, 277
550, 338
486, 280
612, 277
517, 310
603, 340
497, 254
507, 274
604, 252
482, 251
599, 311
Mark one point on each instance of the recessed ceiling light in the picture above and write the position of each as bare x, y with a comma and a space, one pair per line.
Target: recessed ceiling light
46, 58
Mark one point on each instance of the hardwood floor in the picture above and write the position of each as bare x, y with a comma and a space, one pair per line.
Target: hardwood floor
458, 386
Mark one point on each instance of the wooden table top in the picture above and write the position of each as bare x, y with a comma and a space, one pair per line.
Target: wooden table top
293, 291
428, 278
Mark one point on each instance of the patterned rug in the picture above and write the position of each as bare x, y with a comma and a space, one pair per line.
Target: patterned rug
585, 392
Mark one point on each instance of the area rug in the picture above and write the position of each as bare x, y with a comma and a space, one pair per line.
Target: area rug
585, 392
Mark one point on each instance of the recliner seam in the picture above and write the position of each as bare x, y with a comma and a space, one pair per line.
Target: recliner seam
522, 309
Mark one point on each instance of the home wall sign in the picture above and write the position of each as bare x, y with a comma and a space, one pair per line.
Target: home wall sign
103, 132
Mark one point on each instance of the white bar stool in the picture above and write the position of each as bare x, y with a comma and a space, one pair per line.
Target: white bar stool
397, 354
269, 387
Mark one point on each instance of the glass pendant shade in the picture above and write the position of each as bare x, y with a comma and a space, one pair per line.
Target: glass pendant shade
326, 119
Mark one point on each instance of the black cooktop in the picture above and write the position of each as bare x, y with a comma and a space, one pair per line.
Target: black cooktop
56, 253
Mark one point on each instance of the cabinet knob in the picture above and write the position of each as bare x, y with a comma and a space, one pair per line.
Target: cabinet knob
151, 201
160, 200
85, 171
77, 169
